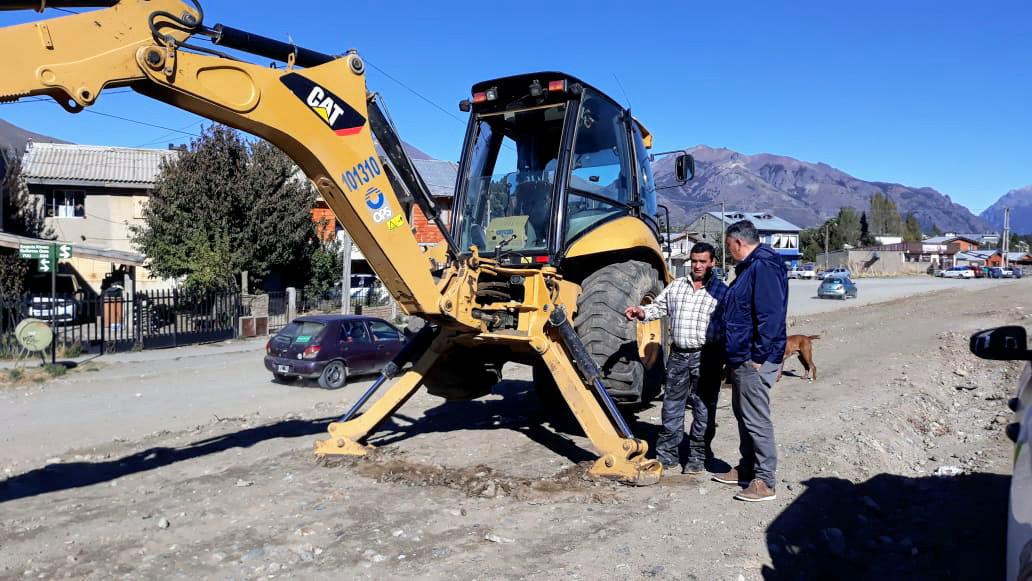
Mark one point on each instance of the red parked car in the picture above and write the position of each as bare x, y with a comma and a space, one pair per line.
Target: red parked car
979, 272
331, 348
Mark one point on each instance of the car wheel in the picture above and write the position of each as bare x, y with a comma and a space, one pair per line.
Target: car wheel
284, 379
334, 375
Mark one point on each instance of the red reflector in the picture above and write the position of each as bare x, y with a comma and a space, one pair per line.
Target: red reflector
557, 86
540, 259
479, 97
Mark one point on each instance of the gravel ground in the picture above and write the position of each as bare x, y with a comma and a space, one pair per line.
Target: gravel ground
893, 464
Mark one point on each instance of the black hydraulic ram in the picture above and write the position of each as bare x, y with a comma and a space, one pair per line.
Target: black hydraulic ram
257, 44
413, 349
41, 5
588, 368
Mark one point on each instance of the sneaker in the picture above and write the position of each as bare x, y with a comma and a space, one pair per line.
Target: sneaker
758, 491
730, 477
694, 467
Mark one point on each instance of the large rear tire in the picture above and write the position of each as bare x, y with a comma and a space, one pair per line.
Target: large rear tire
609, 337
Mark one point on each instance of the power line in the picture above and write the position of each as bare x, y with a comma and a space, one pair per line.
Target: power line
416, 93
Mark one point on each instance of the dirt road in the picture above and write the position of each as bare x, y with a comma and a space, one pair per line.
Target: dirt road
485, 489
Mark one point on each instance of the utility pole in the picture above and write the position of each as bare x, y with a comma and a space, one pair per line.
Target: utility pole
827, 252
1006, 236
723, 240
345, 275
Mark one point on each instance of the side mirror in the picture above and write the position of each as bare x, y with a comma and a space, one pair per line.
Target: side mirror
684, 167
1001, 344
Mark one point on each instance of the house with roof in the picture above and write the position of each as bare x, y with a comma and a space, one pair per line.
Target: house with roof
955, 242
990, 258
91, 196
780, 234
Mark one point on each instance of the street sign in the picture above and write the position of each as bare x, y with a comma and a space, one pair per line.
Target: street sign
43, 264
34, 251
64, 251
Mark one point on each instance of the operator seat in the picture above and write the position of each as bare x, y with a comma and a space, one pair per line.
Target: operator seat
532, 201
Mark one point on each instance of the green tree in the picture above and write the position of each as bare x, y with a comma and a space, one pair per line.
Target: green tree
19, 214
225, 206
884, 216
865, 232
848, 227
936, 231
325, 269
911, 229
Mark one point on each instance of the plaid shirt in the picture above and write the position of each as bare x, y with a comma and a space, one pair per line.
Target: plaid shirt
695, 315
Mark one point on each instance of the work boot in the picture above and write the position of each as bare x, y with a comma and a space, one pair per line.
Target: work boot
730, 477
694, 467
758, 491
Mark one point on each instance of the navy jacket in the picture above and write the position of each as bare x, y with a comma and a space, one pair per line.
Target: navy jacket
755, 308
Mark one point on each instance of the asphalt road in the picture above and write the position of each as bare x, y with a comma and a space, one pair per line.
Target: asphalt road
802, 294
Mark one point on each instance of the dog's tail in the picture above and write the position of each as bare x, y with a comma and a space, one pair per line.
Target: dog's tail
813, 337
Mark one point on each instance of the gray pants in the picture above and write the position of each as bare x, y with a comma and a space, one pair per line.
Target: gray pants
750, 400
695, 378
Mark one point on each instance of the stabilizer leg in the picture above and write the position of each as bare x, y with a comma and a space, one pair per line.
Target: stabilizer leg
348, 433
621, 455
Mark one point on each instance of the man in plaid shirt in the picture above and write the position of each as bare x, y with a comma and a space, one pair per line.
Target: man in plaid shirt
693, 305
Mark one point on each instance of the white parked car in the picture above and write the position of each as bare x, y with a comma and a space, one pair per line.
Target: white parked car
837, 272
958, 272
1011, 344
803, 271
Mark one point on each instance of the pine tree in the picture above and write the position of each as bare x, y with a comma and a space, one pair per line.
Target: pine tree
848, 227
865, 231
885, 218
911, 229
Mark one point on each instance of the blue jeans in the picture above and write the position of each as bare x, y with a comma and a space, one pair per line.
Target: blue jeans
691, 378
750, 400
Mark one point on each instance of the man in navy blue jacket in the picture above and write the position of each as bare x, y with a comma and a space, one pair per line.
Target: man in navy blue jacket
754, 326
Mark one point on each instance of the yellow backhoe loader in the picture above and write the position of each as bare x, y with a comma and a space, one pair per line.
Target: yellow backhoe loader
555, 226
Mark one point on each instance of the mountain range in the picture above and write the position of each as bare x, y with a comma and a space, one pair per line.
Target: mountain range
1020, 203
801, 192
15, 137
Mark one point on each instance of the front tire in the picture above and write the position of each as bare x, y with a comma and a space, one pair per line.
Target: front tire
609, 337
334, 375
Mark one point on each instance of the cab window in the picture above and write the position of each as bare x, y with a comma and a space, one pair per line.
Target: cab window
599, 185
646, 182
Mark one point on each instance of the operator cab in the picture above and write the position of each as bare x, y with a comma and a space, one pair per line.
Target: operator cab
547, 158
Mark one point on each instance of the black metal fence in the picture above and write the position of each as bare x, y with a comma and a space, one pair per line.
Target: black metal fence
117, 322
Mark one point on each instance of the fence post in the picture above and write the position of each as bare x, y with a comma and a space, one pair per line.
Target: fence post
291, 303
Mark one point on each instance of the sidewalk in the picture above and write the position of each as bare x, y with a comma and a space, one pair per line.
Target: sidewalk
149, 355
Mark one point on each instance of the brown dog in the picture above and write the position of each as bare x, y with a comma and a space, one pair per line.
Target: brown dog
803, 345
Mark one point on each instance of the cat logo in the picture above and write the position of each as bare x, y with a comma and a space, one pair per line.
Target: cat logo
334, 112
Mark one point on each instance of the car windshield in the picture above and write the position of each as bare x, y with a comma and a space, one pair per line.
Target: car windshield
302, 331
832, 281
512, 167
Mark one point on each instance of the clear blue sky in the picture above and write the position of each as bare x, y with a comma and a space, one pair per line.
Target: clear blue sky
925, 93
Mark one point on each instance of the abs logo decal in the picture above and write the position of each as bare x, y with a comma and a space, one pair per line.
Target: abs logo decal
333, 110
377, 204
374, 198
